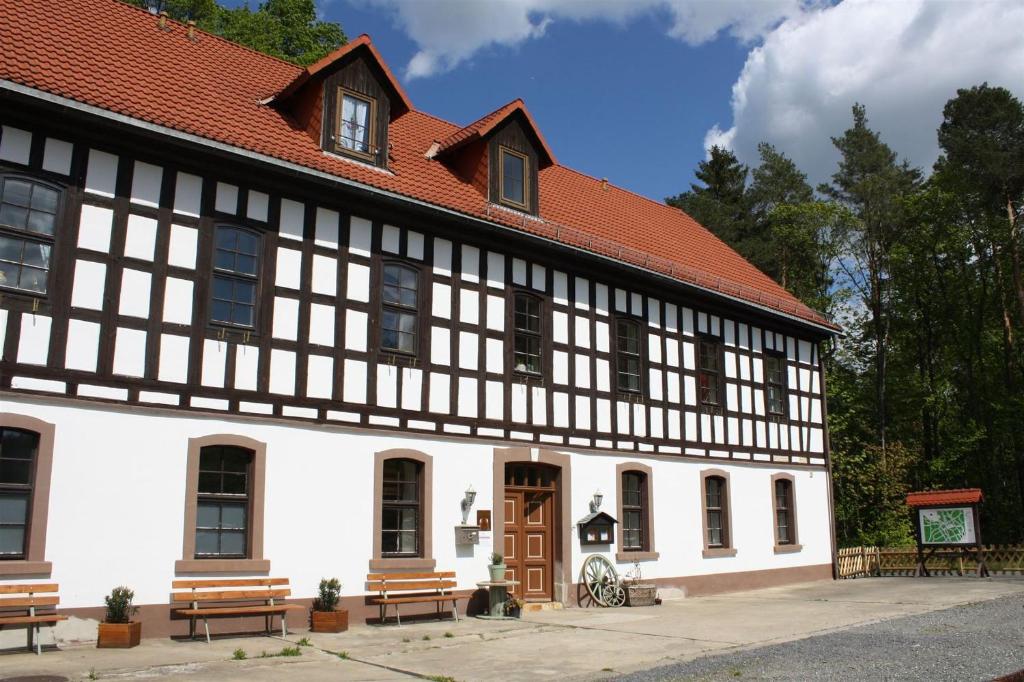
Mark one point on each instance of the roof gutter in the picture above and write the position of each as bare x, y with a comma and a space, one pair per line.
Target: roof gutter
392, 196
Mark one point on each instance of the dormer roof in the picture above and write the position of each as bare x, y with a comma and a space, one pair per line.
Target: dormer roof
483, 127
400, 102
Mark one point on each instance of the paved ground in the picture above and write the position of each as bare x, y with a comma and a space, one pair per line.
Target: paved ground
574, 644
979, 641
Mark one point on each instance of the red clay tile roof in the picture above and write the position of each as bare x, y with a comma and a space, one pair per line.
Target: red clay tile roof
934, 498
485, 125
113, 56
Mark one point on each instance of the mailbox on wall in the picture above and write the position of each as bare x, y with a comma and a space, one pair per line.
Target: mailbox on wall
467, 535
597, 529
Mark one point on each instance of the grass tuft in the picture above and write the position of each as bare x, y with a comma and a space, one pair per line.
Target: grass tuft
343, 655
239, 655
305, 642
448, 635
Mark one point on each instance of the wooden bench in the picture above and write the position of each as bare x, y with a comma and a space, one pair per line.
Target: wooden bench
22, 608
440, 583
233, 597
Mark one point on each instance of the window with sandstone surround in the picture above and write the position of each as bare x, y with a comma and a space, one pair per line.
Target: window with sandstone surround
225, 480
787, 537
716, 516
635, 495
402, 511
26, 462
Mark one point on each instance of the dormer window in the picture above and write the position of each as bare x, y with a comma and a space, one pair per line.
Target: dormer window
355, 124
513, 182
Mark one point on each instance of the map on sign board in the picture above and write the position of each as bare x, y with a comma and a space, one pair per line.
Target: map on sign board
947, 526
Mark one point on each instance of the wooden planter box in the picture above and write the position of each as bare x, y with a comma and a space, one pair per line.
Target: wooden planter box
119, 635
330, 621
641, 595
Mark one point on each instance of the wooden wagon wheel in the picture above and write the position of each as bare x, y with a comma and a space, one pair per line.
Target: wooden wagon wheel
598, 575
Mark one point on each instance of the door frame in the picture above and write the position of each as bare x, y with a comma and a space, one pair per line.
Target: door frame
561, 559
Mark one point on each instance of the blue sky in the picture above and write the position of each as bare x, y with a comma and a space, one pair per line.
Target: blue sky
624, 102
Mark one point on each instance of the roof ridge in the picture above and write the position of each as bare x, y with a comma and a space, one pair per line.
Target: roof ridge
216, 37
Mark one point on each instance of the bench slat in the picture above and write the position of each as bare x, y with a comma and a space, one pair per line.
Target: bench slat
239, 610
28, 587
412, 600
229, 582
21, 620
411, 585
373, 577
236, 595
11, 602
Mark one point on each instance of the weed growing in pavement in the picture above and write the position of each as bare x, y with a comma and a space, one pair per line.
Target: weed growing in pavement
239, 655
93, 675
305, 642
440, 678
426, 638
290, 651
448, 635
343, 655
406, 640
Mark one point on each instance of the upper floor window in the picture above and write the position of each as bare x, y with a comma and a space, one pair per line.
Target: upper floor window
627, 355
710, 373
401, 515
18, 449
222, 504
28, 222
634, 514
513, 168
775, 378
355, 127
526, 328
399, 303
236, 261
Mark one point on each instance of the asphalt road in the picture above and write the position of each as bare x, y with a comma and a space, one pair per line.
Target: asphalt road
979, 641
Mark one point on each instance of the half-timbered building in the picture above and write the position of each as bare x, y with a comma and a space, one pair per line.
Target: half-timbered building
258, 319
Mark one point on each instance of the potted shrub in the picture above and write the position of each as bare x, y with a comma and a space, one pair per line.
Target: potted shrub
326, 617
514, 607
497, 567
639, 593
118, 630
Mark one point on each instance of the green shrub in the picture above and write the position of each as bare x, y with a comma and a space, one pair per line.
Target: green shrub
119, 605
330, 592
496, 559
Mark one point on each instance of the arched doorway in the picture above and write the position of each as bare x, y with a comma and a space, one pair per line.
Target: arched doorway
531, 492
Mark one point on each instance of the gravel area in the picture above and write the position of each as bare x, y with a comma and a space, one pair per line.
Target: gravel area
975, 642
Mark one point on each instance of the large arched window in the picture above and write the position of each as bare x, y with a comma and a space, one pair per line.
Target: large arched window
399, 309
236, 266
526, 342
401, 516
18, 451
28, 223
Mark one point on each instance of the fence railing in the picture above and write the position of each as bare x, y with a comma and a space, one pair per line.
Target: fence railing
855, 562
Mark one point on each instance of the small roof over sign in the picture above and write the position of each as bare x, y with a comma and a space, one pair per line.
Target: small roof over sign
593, 516
938, 498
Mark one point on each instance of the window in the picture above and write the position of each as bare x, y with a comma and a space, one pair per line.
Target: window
28, 222
222, 506
18, 449
526, 330
716, 507
399, 302
355, 124
708, 376
775, 378
513, 178
633, 516
236, 263
400, 508
627, 355
785, 518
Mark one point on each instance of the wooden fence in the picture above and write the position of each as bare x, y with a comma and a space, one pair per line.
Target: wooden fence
856, 562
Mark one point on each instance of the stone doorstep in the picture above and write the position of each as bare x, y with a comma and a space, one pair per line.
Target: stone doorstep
532, 606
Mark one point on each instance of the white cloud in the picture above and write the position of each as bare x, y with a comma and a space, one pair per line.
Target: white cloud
447, 32
902, 60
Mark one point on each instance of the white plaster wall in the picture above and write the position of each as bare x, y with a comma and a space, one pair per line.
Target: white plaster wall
118, 487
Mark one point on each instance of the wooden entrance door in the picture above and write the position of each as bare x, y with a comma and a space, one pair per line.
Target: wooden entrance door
529, 530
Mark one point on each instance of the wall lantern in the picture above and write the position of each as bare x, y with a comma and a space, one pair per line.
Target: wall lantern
467, 503
596, 502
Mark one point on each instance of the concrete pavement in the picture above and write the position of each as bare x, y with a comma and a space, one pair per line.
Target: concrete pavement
565, 644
